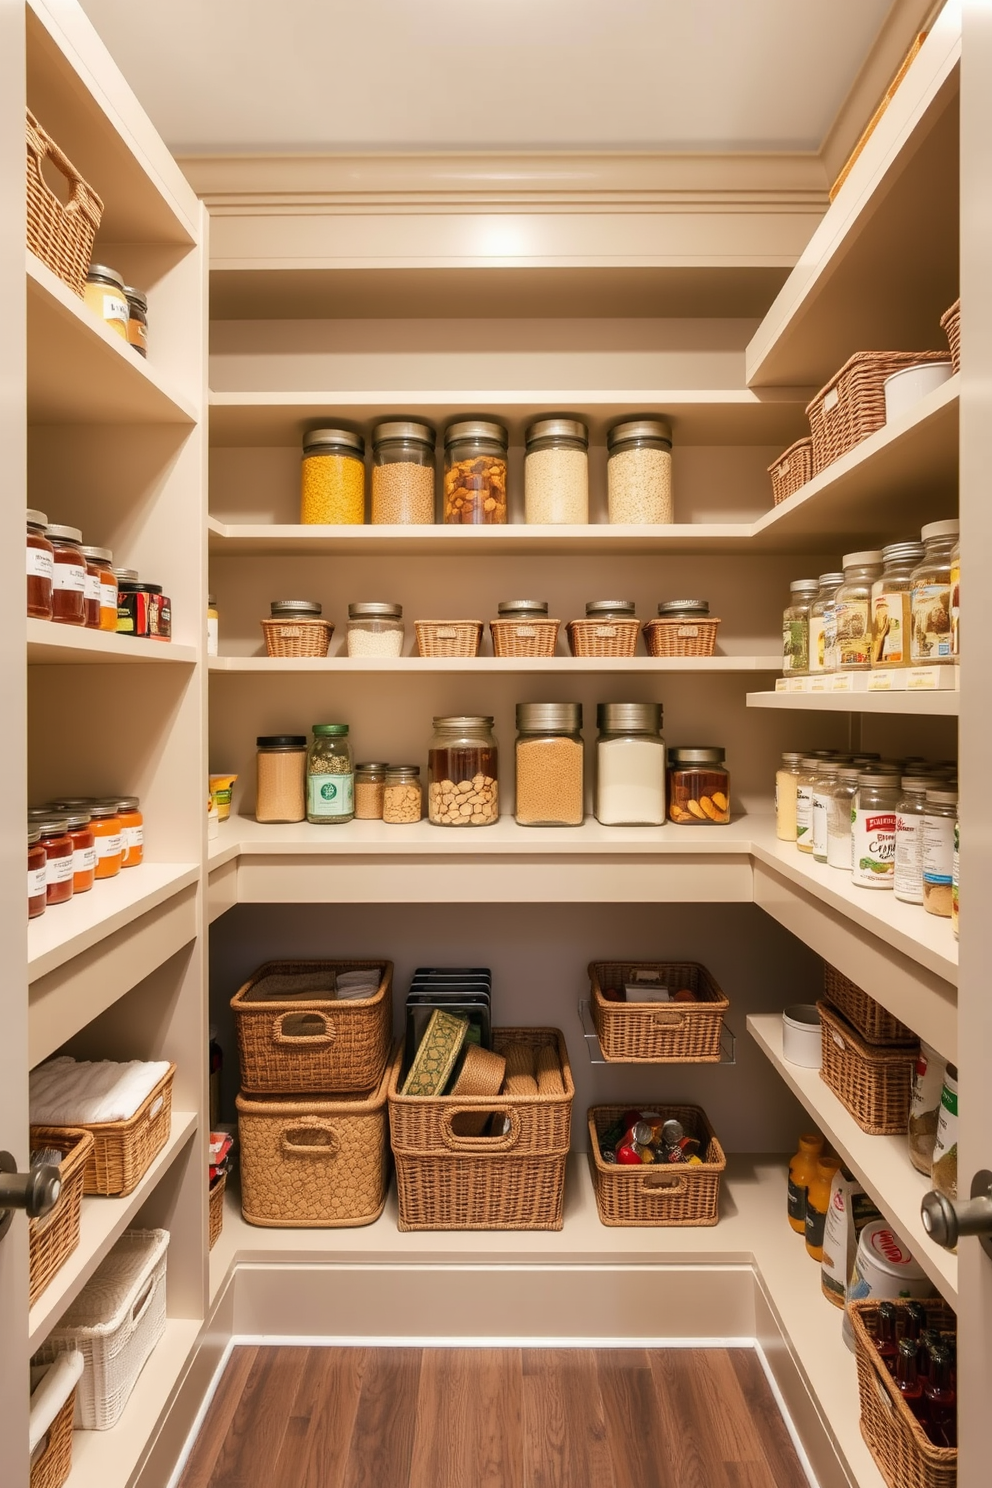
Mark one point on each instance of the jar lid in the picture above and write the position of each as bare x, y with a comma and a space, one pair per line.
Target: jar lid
849, 772
557, 428
950, 528
539, 718
831, 578
66, 803
672, 608
66, 534
639, 429
101, 274
375, 609
464, 720
868, 559
804, 586
918, 785
371, 767
102, 810
77, 819
697, 754
34, 835
475, 429
397, 773
879, 777
286, 609
137, 586
330, 730
596, 608
638, 718
792, 756
829, 767
509, 608
48, 825
125, 573
404, 429
123, 803
136, 297
281, 741
101, 555
895, 552
317, 439
941, 796
36, 518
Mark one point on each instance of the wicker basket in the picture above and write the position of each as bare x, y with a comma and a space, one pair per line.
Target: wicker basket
903, 1453
950, 323
865, 1015
215, 1210
52, 1466
296, 1044
52, 1240
657, 1032
297, 637
515, 1181
448, 637
321, 1163
852, 405
123, 1151
524, 637
657, 1195
874, 1082
680, 637
792, 469
603, 637
60, 233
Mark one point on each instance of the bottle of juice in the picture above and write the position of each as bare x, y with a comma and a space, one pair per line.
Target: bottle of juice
801, 1169
817, 1204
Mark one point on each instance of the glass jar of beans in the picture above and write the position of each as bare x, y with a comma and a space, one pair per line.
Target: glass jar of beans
403, 473
549, 765
463, 760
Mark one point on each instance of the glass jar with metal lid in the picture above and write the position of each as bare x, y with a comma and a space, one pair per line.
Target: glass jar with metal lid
821, 637
639, 471
840, 842
873, 829
132, 829
41, 567
213, 627
940, 816
280, 778
79, 826
795, 627
549, 765
330, 775
332, 478
54, 837
698, 786
403, 473
630, 765
100, 564
137, 319
786, 778
931, 579
463, 773
37, 888
556, 472
475, 472
910, 811
852, 610
68, 575
104, 293
375, 628
108, 831
822, 795
403, 797
809, 771
892, 605
955, 579
370, 787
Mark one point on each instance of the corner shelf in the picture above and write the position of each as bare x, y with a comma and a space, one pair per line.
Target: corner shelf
923, 704
57, 645
728, 1048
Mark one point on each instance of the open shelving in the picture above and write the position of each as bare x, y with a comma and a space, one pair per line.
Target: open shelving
538, 665
939, 703
56, 645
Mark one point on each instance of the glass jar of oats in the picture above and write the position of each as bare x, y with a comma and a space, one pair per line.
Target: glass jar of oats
639, 471
556, 472
549, 765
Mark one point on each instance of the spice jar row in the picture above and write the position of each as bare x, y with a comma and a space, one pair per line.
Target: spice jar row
74, 584
120, 306
75, 841
894, 607
474, 483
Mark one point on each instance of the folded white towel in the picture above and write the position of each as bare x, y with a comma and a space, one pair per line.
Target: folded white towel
66, 1093
50, 1393
363, 982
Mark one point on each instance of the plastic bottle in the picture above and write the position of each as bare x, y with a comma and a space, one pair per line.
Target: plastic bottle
801, 1169
817, 1204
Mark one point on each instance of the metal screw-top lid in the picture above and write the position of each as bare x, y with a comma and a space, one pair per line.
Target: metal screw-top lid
475, 429
281, 741
120, 803
102, 810
950, 528
372, 767
849, 772
634, 718
316, 440
211, 602
330, 730
918, 785
464, 720
792, 757
47, 824
128, 574
601, 609
135, 586
136, 297
673, 609
36, 518
289, 609
557, 428
902, 552
34, 835
828, 768
65, 534
939, 795
102, 274
829, 580
375, 609
523, 609
804, 586
879, 778
396, 774
98, 555
697, 754
870, 558
404, 429
77, 819
552, 718
639, 429
66, 803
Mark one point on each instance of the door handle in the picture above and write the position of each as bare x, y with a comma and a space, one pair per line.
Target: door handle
946, 1220
36, 1192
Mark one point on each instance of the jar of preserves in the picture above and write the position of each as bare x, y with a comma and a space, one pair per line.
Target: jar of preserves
104, 293
892, 605
132, 829
821, 630
80, 829
280, 776
101, 589
41, 567
639, 471
822, 796
330, 775
956, 600
370, 788
840, 840
402, 797
37, 859
908, 875
213, 627
852, 611
873, 829
940, 815
463, 768
403, 473
109, 839
556, 472
698, 786
332, 478
931, 579
795, 627
475, 472
68, 575
786, 778
375, 628
59, 866
548, 759
91, 593
630, 765
137, 319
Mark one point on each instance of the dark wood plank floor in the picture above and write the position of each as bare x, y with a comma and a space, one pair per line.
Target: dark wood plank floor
493, 1418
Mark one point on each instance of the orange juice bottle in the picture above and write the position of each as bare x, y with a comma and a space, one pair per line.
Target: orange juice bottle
817, 1204
802, 1169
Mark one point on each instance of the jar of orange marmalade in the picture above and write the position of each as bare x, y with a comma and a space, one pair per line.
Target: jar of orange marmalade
107, 833
80, 829
132, 829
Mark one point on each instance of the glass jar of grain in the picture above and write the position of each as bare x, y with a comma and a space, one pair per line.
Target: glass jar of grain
556, 472
639, 471
370, 788
280, 790
402, 798
332, 478
330, 775
475, 473
403, 473
549, 765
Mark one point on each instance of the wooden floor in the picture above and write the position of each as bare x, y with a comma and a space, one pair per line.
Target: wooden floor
493, 1418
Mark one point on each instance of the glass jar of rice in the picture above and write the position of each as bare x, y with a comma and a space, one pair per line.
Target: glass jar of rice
639, 471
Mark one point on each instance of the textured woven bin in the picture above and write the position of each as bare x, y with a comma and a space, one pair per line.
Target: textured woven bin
321, 1163
297, 637
657, 1032
792, 469
52, 1466
448, 637
873, 1081
215, 1210
657, 1193
515, 1181
903, 1453
950, 323
52, 1240
60, 233
852, 405
301, 1044
866, 1016
524, 637
680, 637
123, 1151
603, 637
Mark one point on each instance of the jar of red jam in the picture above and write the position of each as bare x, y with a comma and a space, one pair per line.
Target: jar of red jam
41, 563
69, 576
106, 827
132, 829
57, 843
98, 562
83, 851
37, 886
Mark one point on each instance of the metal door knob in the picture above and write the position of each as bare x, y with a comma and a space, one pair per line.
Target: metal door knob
36, 1192
947, 1220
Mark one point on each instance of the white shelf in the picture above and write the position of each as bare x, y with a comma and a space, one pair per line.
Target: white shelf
881, 1164
55, 645
938, 703
567, 665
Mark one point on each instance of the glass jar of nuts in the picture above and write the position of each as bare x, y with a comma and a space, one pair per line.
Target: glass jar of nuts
402, 799
698, 787
463, 766
475, 473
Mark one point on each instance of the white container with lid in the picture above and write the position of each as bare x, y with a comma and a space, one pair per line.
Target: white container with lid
884, 1269
904, 389
801, 1041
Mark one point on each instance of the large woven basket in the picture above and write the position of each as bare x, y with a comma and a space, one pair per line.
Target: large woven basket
680, 637
448, 637
123, 1151
52, 1240
792, 469
852, 404
869, 1018
215, 1210
52, 1466
299, 1044
903, 1453
321, 1163
60, 233
603, 637
657, 1194
657, 1032
873, 1081
524, 637
950, 323
297, 637
511, 1181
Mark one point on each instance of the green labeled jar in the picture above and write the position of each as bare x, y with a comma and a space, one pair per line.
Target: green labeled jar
330, 775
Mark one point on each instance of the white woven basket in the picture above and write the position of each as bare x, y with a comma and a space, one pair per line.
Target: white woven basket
115, 1322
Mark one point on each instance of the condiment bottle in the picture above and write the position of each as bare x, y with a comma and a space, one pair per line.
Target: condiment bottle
823, 788
840, 839
817, 1203
892, 605
786, 779
931, 579
821, 631
874, 829
801, 1170
37, 859
906, 1378
885, 1334
102, 588
109, 845
940, 814
852, 610
68, 575
40, 566
940, 1398
795, 627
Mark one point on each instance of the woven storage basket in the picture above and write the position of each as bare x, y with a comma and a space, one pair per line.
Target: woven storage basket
123, 1151
321, 1163
215, 1210
873, 1081
115, 1322
950, 323
448, 637
865, 1015
603, 637
903, 1453
852, 405
524, 637
51, 1468
60, 233
297, 637
515, 1181
657, 1194
348, 1043
792, 469
52, 1240
657, 1032
680, 637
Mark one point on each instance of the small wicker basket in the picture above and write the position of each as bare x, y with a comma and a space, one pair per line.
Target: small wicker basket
903, 1453
297, 637
950, 323
792, 469
524, 637
865, 1015
123, 1151
852, 404
657, 1032
448, 637
603, 637
686, 637
873, 1082
52, 1466
60, 233
657, 1195
52, 1240
215, 1211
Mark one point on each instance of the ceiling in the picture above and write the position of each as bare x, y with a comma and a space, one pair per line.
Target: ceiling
222, 76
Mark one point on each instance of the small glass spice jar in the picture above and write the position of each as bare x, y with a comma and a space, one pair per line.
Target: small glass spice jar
68, 575
940, 820
330, 775
59, 865
549, 765
822, 797
475, 473
639, 471
931, 641
892, 605
840, 840
41, 567
104, 293
852, 611
101, 589
375, 628
370, 785
556, 472
698, 786
332, 478
403, 797
786, 777
910, 811
37, 860
821, 633
80, 829
795, 627
630, 765
137, 319
281, 775
403, 473
108, 836
132, 829
463, 769
873, 829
